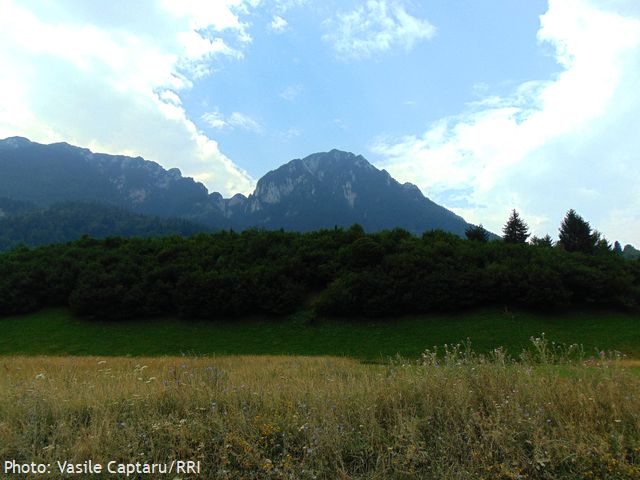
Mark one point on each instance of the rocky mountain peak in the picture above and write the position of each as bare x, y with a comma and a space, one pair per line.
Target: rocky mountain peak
335, 160
331, 173
14, 142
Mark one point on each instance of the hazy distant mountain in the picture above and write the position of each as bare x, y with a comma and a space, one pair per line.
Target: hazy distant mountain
69, 221
48, 174
630, 252
319, 191
14, 207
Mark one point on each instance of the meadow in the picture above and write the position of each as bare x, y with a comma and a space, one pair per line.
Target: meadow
451, 416
58, 332
301, 397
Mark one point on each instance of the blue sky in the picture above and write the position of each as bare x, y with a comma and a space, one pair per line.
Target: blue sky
305, 92
486, 106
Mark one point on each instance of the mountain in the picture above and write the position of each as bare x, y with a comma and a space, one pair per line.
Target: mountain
630, 253
68, 221
49, 174
340, 188
320, 191
13, 207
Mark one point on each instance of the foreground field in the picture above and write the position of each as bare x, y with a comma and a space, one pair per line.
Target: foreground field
452, 417
56, 332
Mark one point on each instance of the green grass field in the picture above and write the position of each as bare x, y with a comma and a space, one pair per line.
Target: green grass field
56, 332
271, 399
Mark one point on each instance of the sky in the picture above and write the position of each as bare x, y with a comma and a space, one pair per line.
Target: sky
485, 106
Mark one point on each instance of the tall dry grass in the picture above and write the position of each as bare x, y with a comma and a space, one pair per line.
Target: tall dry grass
454, 417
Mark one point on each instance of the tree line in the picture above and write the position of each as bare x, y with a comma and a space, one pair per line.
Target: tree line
337, 272
63, 222
575, 235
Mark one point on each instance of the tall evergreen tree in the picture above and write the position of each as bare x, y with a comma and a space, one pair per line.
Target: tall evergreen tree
515, 230
576, 234
617, 248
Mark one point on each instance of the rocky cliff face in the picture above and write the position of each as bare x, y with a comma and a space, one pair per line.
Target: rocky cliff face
319, 191
340, 188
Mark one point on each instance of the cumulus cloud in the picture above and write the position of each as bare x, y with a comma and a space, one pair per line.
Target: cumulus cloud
111, 77
375, 27
550, 145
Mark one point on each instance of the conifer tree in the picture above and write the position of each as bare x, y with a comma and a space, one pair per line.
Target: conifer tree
617, 248
545, 241
477, 233
576, 234
515, 230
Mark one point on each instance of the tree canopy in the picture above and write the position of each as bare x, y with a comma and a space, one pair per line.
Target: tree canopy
477, 233
545, 241
337, 272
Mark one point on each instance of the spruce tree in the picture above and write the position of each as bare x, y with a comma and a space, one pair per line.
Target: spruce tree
515, 230
576, 234
617, 248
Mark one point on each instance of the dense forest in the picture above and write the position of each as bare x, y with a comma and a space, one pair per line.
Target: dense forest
337, 272
67, 221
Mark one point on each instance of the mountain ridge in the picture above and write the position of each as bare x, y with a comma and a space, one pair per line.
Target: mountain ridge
321, 190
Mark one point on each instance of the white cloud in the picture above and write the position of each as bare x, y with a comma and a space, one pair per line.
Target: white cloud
278, 24
377, 26
245, 122
215, 119
111, 78
283, 6
338, 122
203, 14
169, 96
550, 146
291, 92
290, 133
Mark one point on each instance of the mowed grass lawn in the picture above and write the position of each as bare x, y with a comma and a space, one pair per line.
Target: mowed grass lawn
57, 332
